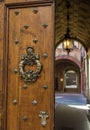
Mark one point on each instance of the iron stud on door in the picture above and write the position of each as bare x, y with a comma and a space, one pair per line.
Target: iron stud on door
34, 102
35, 40
16, 41
25, 118
45, 55
17, 12
15, 101
25, 86
45, 25
26, 26
35, 10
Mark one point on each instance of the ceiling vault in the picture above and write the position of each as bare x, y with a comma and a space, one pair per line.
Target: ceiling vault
79, 21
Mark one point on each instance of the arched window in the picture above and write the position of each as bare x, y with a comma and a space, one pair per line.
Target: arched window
71, 79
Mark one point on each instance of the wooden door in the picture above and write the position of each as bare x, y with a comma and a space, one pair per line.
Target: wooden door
28, 64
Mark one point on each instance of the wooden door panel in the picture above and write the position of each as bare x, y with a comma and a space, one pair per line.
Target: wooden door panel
12, 116
27, 28
2, 68
22, 1
1, 45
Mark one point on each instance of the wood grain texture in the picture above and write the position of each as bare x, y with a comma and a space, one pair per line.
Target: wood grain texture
1, 44
2, 69
13, 2
34, 91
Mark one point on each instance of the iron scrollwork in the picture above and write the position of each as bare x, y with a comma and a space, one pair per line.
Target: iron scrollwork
30, 59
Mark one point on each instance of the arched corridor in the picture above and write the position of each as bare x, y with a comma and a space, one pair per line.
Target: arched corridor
74, 62
72, 106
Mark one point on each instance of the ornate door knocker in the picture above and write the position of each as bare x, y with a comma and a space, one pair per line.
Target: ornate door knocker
30, 59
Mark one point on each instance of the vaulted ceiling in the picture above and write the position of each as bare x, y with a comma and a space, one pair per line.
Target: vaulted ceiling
79, 20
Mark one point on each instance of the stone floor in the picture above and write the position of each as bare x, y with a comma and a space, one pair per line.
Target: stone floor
71, 116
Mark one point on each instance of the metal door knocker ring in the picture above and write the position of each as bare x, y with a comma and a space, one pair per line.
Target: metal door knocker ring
30, 59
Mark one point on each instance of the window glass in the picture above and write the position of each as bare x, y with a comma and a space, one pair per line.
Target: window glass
70, 79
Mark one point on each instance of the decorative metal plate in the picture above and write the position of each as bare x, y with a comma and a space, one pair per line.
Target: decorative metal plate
30, 59
43, 115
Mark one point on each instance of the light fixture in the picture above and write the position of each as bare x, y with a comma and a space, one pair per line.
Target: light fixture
61, 79
68, 41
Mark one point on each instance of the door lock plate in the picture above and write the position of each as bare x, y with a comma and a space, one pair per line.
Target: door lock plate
43, 115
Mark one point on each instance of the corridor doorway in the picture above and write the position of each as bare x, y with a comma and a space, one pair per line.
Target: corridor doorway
71, 69
70, 98
71, 81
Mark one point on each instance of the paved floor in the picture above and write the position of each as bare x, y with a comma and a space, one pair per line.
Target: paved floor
71, 115
68, 98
